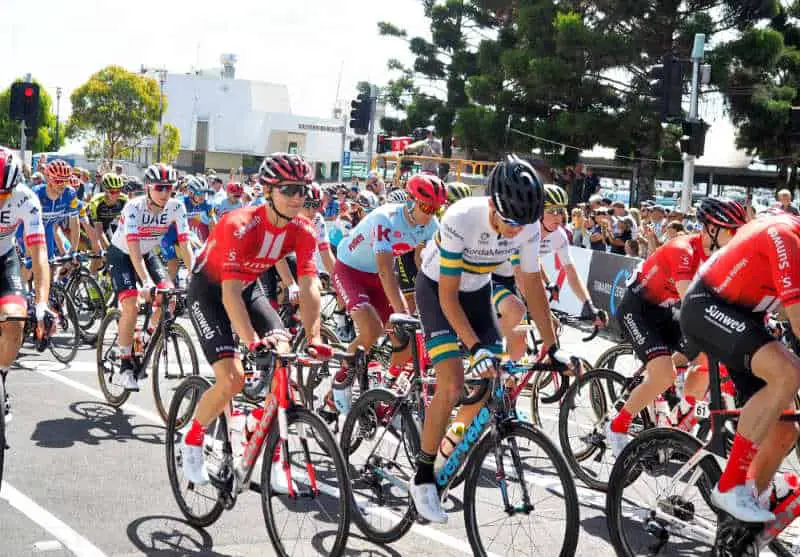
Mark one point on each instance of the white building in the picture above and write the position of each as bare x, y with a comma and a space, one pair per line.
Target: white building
227, 123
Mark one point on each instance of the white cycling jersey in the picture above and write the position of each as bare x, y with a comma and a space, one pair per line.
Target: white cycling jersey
467, 245
556, 242
137, 222
21, 208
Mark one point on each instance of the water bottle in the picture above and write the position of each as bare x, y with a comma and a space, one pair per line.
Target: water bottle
662, 411
237, 424
138, 341
342, 391
253, 419
452, 438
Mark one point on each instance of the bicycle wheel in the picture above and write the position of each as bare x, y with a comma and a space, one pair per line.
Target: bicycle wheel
90, 305
380, 453
542, 496
109, 360
582, 420
620, 358
200, 504
317, 519
647, 505
64, 342
173, 361
2, 429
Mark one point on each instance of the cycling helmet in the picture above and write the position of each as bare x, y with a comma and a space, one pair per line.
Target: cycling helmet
427, 189
516, 190
197, 185
37, 175
283, 167
112, 181
133, 186
721, 212
456, 191
314, 193
555, 196
160, 174
367, 201
234, 188
10, 171
397, 196
58, 170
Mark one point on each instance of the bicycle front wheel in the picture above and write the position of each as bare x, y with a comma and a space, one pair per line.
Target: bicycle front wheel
173, 361
542, 510
316, 518
64, 342
89, 304
109, 360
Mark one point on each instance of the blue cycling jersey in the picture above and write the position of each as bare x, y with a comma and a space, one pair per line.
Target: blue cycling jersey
198, 215
385, 229
54, 213
224, 206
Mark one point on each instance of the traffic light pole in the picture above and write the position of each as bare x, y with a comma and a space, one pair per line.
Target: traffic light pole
373, 103
22, 140
344, 140
688, 160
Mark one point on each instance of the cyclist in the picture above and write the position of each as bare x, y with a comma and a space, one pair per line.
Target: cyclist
130, 257
554, 240
19, 208
106, 207
224, 295
454, 299
723, 314
646, 313
311, 211
232, 200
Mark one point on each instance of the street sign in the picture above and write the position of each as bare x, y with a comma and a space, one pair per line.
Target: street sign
346, 158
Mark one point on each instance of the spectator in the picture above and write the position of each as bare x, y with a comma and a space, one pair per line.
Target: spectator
118, 169
580, 236
595, 202
219, 194
674, 229
655, 232
353, 193
616, 236
428, 147
637, 220
330, 207
785, 202
591, 185
595, 226
375, 184
632, 248
606, 202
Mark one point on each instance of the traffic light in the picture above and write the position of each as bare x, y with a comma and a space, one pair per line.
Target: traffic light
24, 103
361, 114
384, 144
357, 145
693, 137
666, 86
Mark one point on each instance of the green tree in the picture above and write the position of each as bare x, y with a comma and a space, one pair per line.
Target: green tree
46, 124
170, 143
117, 107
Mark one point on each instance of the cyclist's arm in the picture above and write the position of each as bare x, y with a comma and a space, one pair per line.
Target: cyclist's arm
451, 307
237, 312
41, 271
74, 232
102, 240
544, 274
576, 283
682, 286
389, 282
187, 254
418, 255
57, 232
310, 307
285, 272
538, 306
327, 260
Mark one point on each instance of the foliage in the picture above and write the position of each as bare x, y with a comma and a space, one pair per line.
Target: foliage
46, 124
170, 143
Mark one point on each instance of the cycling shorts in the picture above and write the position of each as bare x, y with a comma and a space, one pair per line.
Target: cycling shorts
211, 321
727, 332
123, 275
441, 340
270, 278
653, 330
502, 287
12, 291
406, 269
358, 289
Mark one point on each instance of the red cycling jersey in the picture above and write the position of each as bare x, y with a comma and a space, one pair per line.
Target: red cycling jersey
244, 244
676, 260
760, 267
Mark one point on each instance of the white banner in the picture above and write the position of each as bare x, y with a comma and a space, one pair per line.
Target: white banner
581, 257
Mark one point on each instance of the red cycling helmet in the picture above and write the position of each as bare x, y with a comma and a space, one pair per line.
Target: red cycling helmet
314, 194
10, 171
234, 188
279, 168
427, 189
722, 212
58, 170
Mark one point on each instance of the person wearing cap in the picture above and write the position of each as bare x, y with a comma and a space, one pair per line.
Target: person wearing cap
596, 225
428, 147
655, 232
37, 179
595, 202
232, 200
374, 183
258, 195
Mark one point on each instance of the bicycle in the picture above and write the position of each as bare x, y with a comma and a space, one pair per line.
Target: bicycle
155, 348
3, 440
84, 290
63, 343
325, 486
685, 463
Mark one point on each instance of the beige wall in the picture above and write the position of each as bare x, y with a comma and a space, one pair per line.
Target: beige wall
223, 161
279, 141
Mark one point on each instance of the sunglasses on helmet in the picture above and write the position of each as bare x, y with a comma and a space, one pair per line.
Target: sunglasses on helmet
290, 190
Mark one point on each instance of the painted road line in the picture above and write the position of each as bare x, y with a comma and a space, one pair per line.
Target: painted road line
82, 367
74, 542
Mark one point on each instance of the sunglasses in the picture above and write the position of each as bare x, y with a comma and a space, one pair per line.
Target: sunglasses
427, 209
161, 188
290, 190
554, 211
115, 191
311, 205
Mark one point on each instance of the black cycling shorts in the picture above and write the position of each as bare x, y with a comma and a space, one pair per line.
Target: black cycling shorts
729, 333
406, 269
441, 340
653, 330
211, 321
123, 275
270, 278
12, 291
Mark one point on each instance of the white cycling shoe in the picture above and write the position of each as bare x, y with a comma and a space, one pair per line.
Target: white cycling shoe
126, 380
618, 441
741, 502
426, 500
193, 464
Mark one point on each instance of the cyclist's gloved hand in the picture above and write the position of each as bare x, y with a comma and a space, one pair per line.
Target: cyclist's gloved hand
590, 313
41, 310
481, 360
272, 340
294, 293
564, 358
320, 351
555, 291
774, 327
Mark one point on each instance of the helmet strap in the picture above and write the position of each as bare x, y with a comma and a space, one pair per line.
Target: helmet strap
152, 201
280, 215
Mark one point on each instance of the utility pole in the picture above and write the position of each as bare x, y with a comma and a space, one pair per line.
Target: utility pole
688, 160
58, 114
344, 140
373, 105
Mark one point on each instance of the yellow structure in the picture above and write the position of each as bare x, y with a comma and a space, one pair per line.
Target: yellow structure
463, 170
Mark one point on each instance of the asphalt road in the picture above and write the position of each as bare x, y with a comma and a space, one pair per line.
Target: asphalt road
82, 478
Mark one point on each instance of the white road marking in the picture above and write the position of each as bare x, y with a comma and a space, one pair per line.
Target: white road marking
73, 541
48, 545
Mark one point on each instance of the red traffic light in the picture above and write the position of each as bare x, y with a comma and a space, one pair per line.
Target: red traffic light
28, 91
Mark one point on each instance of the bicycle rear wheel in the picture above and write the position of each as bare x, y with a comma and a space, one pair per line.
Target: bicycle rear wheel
109, 360
173, 361
2, 429
64, 343
542, 496
317, 519
90, 305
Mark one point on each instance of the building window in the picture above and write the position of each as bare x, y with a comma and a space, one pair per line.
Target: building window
292, 148
202, 136
335, 170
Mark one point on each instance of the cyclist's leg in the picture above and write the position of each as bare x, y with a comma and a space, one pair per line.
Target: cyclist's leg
12, 303
357, 293
123, 280
161, 278
510, 310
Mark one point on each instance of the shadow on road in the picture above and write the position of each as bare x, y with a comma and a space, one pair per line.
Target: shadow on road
372, 550
164, 536
97, 423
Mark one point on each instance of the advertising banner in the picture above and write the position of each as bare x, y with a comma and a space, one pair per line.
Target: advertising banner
606, 280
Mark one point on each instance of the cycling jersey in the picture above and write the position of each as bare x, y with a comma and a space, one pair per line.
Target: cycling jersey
223, 207
199, 216
54, 213
102, 211
556, 242
244, 244
467, 245
675, 261
137, 222
318, 222
22, 208
385, 229
760, 267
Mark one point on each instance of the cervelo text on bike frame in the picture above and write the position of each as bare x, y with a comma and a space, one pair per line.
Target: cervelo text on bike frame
462, 449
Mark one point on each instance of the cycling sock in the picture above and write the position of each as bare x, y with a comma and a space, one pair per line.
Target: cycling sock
424, 468
195, 434
690, 400
125, 351
742, 454
622, 422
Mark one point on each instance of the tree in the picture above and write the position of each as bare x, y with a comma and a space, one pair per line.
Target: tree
119, 108
170, 143
46, 124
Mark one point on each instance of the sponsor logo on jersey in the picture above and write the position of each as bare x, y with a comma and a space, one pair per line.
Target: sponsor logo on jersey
151, 219
401, 248
398, 234
452, 232
240, 232
382, 234
729, 323
356, 242
484, 237
633, 329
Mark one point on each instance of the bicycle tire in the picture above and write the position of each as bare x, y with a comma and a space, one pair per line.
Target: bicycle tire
322, 436
355, 417
2, 430
570, 494
608, 359
176, 331
173, 426
94, 304
66, 313
105, 360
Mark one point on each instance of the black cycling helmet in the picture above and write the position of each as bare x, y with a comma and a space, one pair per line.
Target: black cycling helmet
722, 212
133, 186
516, 190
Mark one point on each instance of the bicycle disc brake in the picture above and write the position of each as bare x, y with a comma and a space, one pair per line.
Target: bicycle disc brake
735, 538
